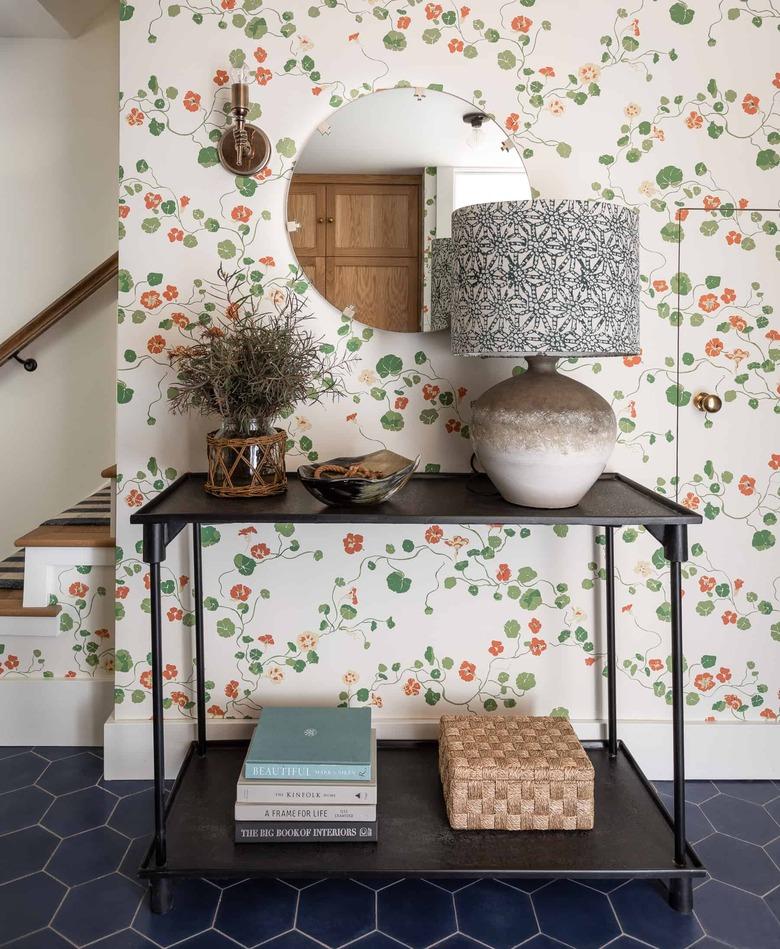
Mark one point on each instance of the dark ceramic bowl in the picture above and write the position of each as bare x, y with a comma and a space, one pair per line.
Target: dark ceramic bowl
396, 471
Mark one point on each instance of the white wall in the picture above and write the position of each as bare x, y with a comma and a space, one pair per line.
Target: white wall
58, 168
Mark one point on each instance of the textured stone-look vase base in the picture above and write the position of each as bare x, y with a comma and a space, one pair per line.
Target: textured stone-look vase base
543, 438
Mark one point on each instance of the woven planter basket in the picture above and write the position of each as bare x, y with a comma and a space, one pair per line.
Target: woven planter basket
246, 467
524, 773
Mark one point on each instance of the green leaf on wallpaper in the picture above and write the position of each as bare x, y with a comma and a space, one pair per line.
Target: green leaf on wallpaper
432, 697
244, 565
677, 395
708, 661
123, 661
209, 536
226, 628
681, 283
389, 365
392, 421
507, 59
394, 40
681, 13
150, 224
763, 540
669, 176
237, 57
285, 530
712, 282
563, 149
348, 612
208, 156
705, 607
767, 159
525, 681
630, 45
531, 599
125, 281
672, 232
398, 582
512, 628
123, 393
286, 147
431, 36
226, 249
526, 574
559, 712
126, 11
156, 127
154, 279
256, 28
664, 612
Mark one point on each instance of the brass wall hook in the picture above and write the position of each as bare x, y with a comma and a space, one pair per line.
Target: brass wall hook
244, 148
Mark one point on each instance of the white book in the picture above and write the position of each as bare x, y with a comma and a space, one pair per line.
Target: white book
306, 812
273, 791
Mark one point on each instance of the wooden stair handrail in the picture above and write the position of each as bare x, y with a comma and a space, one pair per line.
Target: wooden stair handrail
55, 311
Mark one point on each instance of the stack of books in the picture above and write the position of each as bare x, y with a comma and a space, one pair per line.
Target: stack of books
309, 775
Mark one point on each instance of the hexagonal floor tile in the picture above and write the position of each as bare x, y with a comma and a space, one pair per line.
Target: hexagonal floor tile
416, 913
43, 939
88, 856
23, 808
527, 885
127, 939
194, 906
293, 940
208, 940
738, 818
759, 792
79, 811
134, 815
336, 911
375, 940
57, 752
96, 909
697, 827
695, 791
575, 914
25, 851
644, 912
71, 774
498, 915
452, 884
134, 857
741, 864
27, 905
737, 918
256, 910
773, 809
17, 771
8, 751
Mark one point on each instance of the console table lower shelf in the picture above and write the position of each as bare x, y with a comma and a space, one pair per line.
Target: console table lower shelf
633, 836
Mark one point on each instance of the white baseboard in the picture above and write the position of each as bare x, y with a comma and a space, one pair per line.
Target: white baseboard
54, 711
714, 750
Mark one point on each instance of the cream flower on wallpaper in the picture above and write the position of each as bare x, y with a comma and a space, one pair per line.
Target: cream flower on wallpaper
350, 677
632, 109
589, 72
556, 107
305, 44
644, 568
274, 673
367, 377
302, 423
578, 613
647, 188
278, 297
307, 641
376, 700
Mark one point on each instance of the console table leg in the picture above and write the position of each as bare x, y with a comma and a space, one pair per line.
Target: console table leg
200, 652
611, 648
161, 896
680, 891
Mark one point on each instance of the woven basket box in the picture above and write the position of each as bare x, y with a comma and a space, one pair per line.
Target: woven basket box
524, 773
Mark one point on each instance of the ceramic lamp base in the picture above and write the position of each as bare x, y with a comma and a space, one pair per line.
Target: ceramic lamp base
543, 438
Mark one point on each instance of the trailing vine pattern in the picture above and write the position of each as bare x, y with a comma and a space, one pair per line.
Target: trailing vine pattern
636, 106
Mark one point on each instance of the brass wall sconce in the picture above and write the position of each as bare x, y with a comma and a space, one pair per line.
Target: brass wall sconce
244, 148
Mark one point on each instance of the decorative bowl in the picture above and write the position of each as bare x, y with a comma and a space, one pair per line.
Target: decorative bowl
394, 470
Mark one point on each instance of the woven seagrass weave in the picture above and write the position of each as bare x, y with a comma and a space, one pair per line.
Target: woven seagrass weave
518, 773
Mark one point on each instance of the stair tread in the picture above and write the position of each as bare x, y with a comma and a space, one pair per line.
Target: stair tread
11, 605
94, 510
71, 535
12, 572
109, 472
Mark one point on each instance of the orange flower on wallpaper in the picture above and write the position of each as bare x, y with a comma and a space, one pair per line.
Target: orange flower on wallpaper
263, 76
221, 77
750, 104
135, 117
537, 646
433, 11
713, 347
155, 344
512, 122
656, 665
503, 574
78, 589
534, 625
402, 23
707, 583
747, 485
241, 213
259, 551
353, 543
467, 671
150, 299
711, 202
496, 647
733, 237
411, 687
691, 501
191, 101
455, 46
434, 534
708, 302
694, 121
240, 592
522, 24
704, 682
260, 54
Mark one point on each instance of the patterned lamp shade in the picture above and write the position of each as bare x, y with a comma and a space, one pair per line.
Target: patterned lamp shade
555, 278
442, 273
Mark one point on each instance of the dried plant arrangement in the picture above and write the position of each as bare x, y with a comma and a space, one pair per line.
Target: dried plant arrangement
249, 365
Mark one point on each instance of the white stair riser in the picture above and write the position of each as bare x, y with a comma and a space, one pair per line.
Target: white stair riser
42, 564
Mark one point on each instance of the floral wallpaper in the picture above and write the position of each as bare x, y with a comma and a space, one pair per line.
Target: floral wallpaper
670, 107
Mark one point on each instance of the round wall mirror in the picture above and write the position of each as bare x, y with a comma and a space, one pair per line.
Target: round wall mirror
372, 195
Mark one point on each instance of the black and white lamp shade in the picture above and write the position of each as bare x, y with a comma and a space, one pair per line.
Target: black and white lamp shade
442, 277
545, 277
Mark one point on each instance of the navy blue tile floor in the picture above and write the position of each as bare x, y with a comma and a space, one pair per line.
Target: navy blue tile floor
70, 844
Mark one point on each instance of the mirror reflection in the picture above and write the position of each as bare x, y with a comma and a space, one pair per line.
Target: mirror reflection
372, 195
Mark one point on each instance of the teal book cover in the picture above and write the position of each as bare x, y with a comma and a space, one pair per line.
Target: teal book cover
310, 743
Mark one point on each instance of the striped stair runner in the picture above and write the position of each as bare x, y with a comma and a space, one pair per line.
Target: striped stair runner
94, 511
12, 572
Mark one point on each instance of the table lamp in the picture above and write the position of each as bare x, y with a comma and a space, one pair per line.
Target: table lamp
544, 280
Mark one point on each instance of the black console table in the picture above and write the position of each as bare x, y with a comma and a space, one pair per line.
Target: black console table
633, 835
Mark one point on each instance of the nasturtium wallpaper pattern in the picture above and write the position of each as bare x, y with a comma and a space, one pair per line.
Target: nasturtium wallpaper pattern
669, 107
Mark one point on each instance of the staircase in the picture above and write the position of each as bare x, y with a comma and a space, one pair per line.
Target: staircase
82, 535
